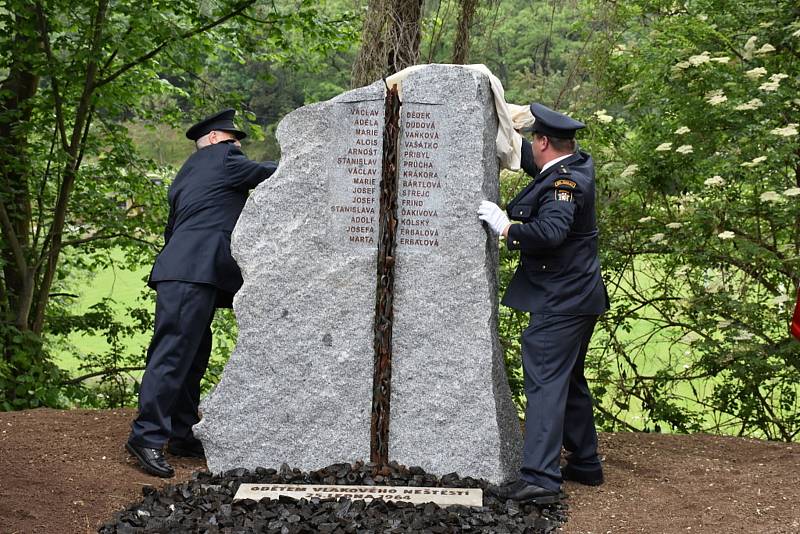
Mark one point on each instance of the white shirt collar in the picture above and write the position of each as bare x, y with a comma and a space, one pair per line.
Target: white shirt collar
553, 162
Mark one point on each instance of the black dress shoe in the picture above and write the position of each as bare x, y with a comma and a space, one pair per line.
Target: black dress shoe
523, 491
151, 460
186, 449
592, 477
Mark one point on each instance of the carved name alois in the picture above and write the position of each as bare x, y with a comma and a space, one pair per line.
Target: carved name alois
420, 186
355, 176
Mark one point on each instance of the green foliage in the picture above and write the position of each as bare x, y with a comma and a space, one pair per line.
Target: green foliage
28, 379
74, 76
534, 48
699, 185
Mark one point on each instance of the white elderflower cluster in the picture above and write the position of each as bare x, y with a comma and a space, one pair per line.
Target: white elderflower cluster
773, 83
715, 181
655, 238
770, 196
792, 192
682, 130
629, 171
756, 73
645, 219
714, 287
664, 147
787, 131
766, 48
780, 300
603, 117
674, 225
684, 149
752, 104
750, 46
727, 234
699, 59
754, 162
716, 97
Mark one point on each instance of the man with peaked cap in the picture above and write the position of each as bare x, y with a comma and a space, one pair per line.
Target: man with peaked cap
193, 275
558, 282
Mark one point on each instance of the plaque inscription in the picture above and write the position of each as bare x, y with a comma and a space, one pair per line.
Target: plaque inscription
421, 172
417, 495
354, 175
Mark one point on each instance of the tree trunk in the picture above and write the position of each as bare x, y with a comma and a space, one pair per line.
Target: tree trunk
16, 102
80, 126
390, 40
461, 44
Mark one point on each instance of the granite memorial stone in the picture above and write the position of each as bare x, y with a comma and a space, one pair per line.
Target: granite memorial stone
298, 387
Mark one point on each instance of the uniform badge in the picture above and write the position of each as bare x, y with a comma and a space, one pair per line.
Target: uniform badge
565, 183
563, 195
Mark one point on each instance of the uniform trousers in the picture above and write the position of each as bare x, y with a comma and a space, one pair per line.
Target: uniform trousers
559, 407
176, 362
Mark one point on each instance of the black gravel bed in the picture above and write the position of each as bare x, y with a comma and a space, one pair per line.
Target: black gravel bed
205, 505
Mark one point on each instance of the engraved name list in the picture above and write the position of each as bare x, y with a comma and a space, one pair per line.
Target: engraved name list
420, 178
355, 176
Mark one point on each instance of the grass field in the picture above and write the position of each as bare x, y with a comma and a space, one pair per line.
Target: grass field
125, 288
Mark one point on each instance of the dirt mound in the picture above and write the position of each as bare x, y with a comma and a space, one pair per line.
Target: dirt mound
67, 471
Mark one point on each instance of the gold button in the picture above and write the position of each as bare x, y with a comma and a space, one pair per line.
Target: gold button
520, 212
544, 266
516, 242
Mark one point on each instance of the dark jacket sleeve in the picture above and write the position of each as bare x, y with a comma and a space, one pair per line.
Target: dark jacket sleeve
243, 173
526, 159
549, 229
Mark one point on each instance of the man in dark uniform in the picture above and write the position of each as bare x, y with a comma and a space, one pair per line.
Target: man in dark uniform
558, 281
193, 275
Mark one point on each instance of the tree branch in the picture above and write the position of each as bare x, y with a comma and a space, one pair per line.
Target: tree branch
79, 379
99, 237
185, 35
45, 35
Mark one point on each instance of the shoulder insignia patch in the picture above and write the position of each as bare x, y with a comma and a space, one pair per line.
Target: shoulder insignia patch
563, 195
566, 183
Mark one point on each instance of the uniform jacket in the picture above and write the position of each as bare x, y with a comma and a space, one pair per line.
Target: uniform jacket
205, 201
559, 271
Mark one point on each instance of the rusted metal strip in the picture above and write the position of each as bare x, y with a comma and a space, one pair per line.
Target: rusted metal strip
384, 294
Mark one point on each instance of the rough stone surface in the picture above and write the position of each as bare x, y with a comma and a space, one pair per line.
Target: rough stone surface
451, 407
298, 388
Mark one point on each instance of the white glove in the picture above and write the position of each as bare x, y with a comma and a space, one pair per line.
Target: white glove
494, 217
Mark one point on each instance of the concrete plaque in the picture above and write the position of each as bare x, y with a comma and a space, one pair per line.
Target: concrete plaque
415, 495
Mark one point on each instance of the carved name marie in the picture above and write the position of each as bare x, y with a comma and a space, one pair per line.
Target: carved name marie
354, 177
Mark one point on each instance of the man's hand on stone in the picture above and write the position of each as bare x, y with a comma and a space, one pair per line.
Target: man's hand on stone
494, 217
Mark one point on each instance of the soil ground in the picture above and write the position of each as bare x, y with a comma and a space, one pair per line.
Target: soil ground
67, 472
